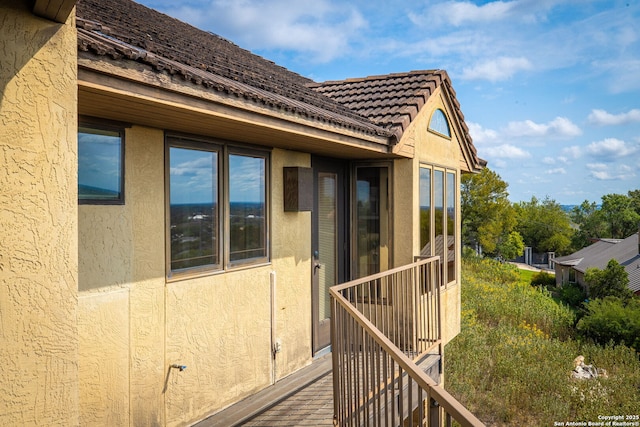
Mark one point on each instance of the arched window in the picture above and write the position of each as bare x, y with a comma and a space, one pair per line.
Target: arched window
439, 123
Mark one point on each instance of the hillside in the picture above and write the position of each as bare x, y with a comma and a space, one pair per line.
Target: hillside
511, 363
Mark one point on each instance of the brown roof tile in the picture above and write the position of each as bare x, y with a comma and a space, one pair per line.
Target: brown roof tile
392, 101
122, 30
125, 30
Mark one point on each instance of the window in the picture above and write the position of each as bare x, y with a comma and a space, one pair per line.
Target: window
247, 207
217, 220
371, 220
438, 217
100, 166
439, 123
425, 211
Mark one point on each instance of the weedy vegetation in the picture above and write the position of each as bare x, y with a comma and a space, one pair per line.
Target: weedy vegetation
511, 363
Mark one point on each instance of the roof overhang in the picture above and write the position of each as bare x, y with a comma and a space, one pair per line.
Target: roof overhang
471, 162
156, 100
55, 10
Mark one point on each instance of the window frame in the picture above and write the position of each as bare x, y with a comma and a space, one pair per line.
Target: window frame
247, 152
86, 123
446, 120
224, 149
445, 217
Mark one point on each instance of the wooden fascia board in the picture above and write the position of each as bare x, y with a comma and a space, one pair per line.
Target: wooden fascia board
207, 104
55, 10
458, 130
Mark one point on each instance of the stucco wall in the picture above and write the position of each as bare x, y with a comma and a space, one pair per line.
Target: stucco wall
38, 247
431, 149
219, 326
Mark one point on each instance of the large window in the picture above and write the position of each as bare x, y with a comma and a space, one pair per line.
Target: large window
100, 165
438, 217
217, 220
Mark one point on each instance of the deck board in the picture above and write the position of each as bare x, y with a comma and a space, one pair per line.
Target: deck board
284, 401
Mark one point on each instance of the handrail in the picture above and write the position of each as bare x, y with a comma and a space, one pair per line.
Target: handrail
384, 386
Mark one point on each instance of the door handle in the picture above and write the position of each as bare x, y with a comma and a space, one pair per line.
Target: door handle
316, 266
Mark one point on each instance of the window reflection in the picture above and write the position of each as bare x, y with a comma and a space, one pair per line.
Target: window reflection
247, 219
99, 165
425, 211
372, 220
193, 194
451, 227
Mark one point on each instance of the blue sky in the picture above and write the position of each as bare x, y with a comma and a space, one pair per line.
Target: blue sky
550, 89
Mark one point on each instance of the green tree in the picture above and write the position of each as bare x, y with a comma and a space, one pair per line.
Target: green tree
488, 218
612, 281
510, 247
544, 226
619, 215
634, 196
590, 222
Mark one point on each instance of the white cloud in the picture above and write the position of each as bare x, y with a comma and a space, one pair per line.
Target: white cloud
481, 135
561, 171
320, 29
603, 172
506, 151
610, 149
494, 70
555, 160
560, 127
603, 118
573, 152
458, 13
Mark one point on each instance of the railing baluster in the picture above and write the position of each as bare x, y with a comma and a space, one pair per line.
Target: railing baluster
381, 324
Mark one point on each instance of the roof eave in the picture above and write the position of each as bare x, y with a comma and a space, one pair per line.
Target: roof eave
54, 10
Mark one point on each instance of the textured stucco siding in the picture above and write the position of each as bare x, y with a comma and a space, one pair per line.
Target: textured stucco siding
38, 247
135, 325
430, 149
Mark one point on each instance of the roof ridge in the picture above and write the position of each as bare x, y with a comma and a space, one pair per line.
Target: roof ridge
380, 77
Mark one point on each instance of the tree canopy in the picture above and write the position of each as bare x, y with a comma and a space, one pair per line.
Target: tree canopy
544, 226
612, 281
488, 218
618, 217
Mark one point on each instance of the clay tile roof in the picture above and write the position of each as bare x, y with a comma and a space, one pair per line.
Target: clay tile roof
392, 101
125, 30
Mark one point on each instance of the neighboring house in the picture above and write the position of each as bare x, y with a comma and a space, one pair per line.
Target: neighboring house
572, 268
170, 199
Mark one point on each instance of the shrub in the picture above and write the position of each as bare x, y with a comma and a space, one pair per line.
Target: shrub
543, 279
572, 294
611, 320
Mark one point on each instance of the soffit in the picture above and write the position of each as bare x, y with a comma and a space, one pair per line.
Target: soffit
55, 10
105, 95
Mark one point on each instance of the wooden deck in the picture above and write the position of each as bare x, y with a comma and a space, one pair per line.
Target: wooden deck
304, 398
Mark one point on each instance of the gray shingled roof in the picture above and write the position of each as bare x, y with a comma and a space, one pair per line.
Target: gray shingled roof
597, 255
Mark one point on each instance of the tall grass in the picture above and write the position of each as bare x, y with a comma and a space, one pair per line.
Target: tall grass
511, 363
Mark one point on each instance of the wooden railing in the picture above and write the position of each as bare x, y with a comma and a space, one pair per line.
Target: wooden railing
382, 327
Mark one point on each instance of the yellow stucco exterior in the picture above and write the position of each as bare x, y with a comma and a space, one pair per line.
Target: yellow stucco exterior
135, 324
433, 150
38, 247
90, 325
